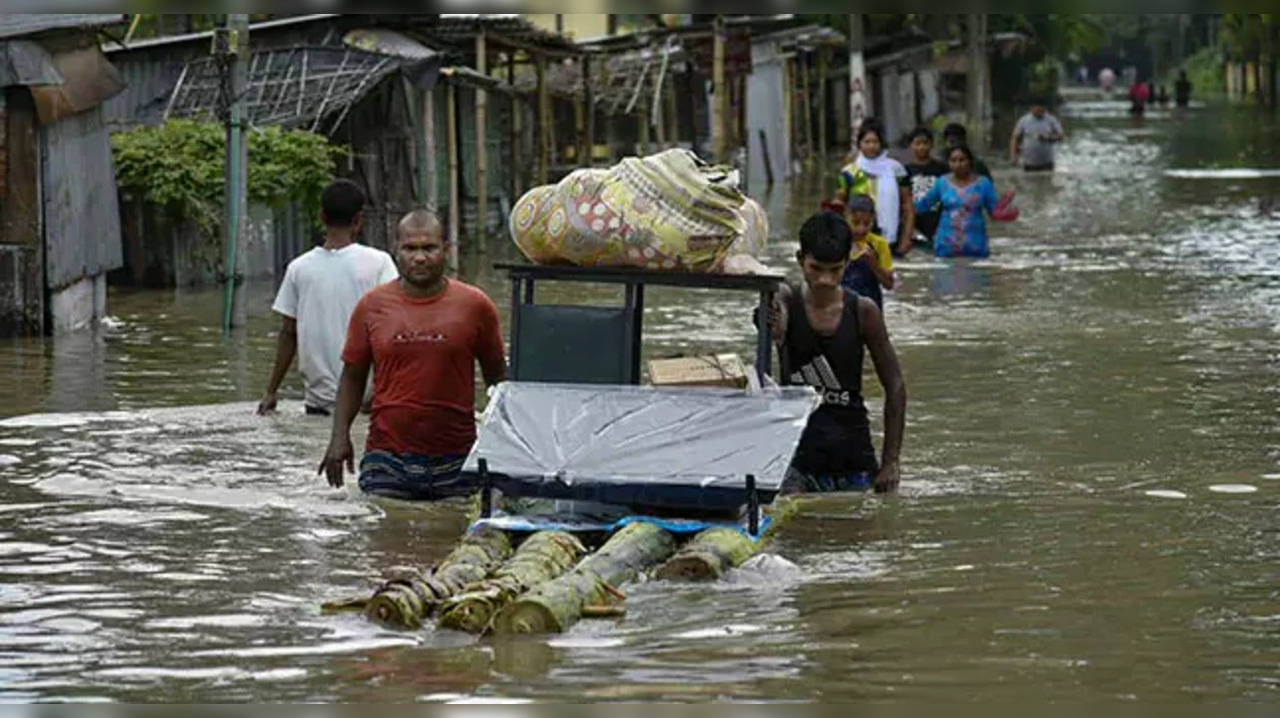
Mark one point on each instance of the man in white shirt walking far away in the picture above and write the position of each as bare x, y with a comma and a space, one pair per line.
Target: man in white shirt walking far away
316, 298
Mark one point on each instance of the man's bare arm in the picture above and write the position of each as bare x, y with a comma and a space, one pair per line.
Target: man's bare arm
876, 337
286, 349
778, 314
350, 394
908, 232
495, 372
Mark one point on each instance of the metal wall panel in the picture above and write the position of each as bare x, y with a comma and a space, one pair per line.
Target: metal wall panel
149, 81
766, 106
81, 208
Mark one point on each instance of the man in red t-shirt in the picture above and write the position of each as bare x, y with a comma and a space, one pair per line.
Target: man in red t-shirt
423, 334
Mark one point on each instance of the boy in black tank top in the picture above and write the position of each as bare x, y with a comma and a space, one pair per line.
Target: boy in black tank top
821, 330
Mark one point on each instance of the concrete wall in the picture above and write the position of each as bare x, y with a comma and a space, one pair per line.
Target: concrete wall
163, 251
78, 305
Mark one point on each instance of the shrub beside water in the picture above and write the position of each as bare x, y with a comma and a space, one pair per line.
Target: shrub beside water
180, 166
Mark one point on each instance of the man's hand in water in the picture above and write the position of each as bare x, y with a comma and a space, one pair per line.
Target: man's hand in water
338, 454
886, 480
268, 403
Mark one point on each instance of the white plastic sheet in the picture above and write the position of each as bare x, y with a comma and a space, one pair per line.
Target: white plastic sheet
639, 446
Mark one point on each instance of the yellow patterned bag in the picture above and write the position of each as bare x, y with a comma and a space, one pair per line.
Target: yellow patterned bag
666, 211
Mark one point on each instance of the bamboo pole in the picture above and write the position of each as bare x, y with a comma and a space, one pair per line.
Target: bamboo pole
517, 117
661, 125
720, 99
236, 183
764, 154
673, 116
860, 103
788, 121
822, 102
451, 139
806, 110
429, 142
579, 130
417, 143
643, 116
589, 102
739, 106
482, 147
544, 120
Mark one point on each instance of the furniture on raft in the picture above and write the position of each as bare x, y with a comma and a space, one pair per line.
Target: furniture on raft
601, 345
572, 424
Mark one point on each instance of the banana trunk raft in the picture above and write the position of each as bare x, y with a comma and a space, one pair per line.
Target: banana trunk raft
483, 586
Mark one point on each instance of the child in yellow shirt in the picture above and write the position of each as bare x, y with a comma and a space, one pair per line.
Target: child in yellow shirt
870, 260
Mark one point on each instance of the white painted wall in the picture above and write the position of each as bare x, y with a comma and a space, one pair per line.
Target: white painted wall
79, 305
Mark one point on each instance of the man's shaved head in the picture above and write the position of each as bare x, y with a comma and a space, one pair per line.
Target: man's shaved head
420, 221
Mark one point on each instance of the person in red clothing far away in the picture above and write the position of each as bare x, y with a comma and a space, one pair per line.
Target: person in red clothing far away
422, 334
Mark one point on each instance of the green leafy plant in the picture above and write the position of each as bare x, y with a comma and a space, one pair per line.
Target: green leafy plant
180, 166
1204, 70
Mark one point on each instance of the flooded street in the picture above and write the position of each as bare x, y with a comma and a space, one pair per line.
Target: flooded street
1091, 480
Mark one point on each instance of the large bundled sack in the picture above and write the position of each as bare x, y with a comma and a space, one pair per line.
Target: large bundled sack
666, 211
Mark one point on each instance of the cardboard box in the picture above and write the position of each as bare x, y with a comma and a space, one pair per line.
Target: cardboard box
725, 370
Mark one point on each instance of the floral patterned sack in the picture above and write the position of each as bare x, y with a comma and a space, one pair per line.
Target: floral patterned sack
667, 211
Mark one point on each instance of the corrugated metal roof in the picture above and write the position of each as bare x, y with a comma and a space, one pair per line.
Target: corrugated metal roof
19, 24
462, 28
114, 46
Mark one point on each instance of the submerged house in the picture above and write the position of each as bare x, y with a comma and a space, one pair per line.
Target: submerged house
59, 222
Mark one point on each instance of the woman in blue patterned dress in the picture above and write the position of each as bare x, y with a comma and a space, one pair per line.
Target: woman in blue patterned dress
966, 198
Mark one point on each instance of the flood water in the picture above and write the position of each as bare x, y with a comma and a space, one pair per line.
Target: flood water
1091, 477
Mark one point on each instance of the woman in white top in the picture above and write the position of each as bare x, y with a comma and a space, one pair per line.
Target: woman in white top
884, 179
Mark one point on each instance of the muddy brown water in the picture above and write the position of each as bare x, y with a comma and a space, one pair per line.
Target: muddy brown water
1088, 509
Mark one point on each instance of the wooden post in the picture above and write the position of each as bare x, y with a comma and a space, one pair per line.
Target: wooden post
429, 142
580, 129
720, 91
659, 117
859, 91
451, 139
544, 119
589, 104
822, 103
764, 154
515, 156
788, 131
673, 117
482, 147
236, 192
740, 115
806, 107
976, 80
417, 142
642, 114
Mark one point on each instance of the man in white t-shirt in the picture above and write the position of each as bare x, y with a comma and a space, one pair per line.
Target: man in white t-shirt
316, 298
